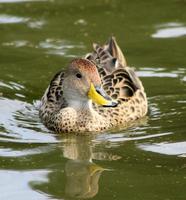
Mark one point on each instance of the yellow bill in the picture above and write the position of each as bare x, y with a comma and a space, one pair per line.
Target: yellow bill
98, 96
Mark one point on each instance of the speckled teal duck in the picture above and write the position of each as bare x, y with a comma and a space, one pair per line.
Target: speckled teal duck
94, 93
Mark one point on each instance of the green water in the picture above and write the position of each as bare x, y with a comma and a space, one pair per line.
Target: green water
145, 162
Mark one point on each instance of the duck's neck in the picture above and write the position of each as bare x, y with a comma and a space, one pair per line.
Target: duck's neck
81, 106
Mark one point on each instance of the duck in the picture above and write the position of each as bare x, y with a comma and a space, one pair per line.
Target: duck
94, 93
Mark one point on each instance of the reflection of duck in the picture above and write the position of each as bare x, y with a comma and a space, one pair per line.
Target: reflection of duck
74, 175
82, 178
102, 78
82, 175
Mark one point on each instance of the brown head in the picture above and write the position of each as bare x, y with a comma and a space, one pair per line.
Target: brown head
82, 83
87, 69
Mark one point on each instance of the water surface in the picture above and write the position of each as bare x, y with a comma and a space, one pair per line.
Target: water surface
146, 161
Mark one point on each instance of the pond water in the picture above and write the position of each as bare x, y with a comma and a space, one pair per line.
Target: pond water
146, 161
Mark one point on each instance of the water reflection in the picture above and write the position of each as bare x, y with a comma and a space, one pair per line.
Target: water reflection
79, 175
50, 45
82, 178
59, 47
20, 1
175, 148
18, 43
80, 22
160, 72
17, 184
148, 160
31, 23
75, 173
37, 24
20, 123
17, 152
82, 174
9, 19
170, 30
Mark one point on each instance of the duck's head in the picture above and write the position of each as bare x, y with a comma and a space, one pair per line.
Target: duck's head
82, 84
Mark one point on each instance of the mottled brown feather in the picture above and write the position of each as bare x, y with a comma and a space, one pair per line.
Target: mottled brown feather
105, 66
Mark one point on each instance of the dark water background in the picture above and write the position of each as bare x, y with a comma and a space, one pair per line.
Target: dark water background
145, 162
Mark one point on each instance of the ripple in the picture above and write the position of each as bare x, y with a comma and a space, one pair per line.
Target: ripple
146, 72
59, 47
9, 19
170, 30
161, 72
17, 184
80, 22
118, 138
31, 23
17, 43
20, 1
10, 152
184, 79
154, 110
36, 24
16, 88
2, 84
176, 148
21, 123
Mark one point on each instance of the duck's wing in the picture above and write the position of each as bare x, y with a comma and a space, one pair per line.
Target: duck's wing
119, 81
121, 84
54, 92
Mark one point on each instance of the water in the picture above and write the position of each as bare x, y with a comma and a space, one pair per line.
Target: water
146, 161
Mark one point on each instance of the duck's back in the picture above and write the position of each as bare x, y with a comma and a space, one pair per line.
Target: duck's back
120, 82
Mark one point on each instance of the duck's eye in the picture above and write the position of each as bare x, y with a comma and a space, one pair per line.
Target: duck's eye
78, 75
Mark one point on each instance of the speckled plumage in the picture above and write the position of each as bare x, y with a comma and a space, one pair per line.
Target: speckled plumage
65, 110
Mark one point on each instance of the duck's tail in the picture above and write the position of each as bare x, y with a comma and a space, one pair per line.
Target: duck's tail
113, 48
108, 56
